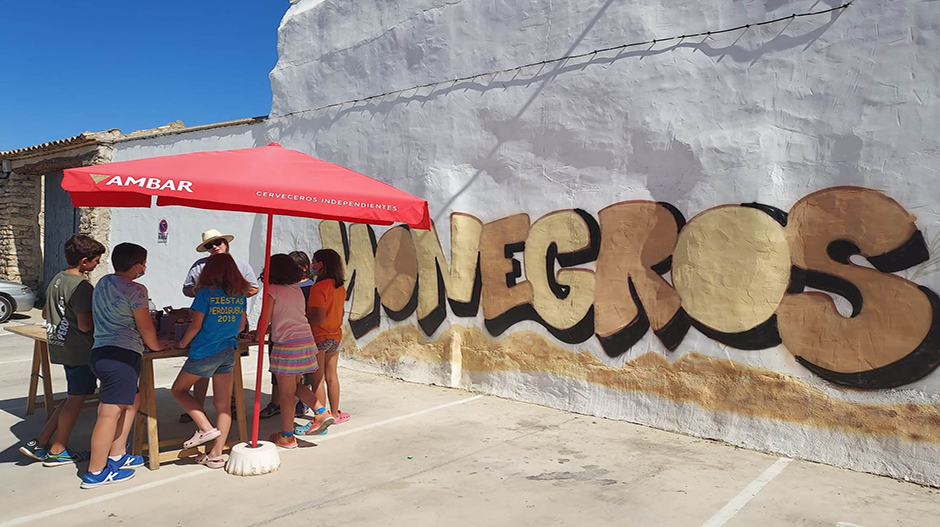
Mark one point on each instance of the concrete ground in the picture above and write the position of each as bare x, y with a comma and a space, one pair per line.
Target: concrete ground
420, 455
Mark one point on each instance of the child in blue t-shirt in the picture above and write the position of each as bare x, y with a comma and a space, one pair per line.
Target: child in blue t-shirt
218, 316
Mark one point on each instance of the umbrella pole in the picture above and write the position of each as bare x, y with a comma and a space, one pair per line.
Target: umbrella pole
261, 329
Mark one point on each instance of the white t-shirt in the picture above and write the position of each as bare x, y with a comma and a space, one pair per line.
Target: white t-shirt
247, 273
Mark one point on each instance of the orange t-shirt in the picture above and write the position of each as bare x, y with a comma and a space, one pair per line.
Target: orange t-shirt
332, 299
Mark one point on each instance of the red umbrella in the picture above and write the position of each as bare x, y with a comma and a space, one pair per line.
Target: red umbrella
268, 180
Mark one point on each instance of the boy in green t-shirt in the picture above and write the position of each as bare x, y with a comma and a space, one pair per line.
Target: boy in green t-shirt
70, 336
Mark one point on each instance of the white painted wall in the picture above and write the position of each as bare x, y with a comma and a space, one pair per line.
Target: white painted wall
769, 114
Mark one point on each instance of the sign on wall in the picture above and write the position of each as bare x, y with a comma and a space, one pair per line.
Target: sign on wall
162, 232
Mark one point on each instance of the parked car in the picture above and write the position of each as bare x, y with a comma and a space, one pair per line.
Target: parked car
14, 298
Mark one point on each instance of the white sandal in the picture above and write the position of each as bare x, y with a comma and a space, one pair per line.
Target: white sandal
202, 437
204, 459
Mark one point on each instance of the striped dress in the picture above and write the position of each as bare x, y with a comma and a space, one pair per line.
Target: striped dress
293, 351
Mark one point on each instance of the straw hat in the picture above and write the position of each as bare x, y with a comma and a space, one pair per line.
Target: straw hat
212, 235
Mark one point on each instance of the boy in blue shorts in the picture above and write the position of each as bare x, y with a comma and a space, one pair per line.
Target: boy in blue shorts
122, 328
70, 334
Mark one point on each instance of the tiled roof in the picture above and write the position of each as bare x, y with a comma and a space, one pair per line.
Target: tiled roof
177, 127
114, 136
60, 144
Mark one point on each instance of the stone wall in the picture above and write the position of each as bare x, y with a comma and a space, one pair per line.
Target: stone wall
96, 222
22, 204
20, 237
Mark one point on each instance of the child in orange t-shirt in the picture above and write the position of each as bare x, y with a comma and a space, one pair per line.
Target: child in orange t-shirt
325, 309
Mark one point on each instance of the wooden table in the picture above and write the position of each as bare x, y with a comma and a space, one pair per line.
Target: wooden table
147, 414
41, 364
145, 422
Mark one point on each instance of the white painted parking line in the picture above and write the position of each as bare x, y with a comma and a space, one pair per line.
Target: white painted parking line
396, 419
738, 502
198, 471
14, 361
848, 524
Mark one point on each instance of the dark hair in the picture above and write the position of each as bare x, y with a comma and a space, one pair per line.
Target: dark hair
302, 261
283, 270
80, 246
127, 255
220, 271
332, 266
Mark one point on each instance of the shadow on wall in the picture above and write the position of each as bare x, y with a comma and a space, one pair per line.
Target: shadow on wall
324, 121
672, 170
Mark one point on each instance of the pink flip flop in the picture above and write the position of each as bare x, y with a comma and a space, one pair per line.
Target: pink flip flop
341, 417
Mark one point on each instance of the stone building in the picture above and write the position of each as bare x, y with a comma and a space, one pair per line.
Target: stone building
36, 215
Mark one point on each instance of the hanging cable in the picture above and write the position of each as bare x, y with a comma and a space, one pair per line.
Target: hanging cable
592, 53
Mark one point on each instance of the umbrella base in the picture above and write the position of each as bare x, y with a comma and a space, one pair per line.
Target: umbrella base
246, 461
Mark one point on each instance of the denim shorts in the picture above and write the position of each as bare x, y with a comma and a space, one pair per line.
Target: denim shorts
118, 369
80, 380
218, 364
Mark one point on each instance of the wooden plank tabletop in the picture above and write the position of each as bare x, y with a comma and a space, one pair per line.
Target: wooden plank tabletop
39, 333
28, 330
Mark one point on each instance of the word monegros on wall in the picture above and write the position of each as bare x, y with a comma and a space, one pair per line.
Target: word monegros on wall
750, 276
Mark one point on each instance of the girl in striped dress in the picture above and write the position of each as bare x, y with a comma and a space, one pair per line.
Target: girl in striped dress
293, 350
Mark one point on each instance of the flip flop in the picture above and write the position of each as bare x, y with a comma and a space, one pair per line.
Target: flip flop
204, 459
321, 426
313, 428
283, 442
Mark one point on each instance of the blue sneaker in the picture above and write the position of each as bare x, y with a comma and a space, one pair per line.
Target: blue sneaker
106, 477
34, 450
126, 461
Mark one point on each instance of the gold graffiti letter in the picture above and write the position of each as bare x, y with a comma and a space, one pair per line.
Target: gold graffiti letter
637, 240
459, 281
892, 336
396, 273
731, 268
563, 300
506, 300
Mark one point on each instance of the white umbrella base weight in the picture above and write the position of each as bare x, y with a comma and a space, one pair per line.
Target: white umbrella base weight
246, 461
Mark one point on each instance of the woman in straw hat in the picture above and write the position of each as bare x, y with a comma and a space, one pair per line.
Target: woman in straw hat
213, 242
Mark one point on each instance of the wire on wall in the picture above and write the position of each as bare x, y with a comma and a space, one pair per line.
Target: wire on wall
541, 63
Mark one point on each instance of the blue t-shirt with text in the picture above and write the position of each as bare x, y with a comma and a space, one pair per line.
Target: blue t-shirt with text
221, 322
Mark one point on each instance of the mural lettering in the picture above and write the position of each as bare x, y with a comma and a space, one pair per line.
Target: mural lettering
739, 275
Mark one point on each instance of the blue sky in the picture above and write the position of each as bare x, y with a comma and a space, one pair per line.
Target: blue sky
70, 66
